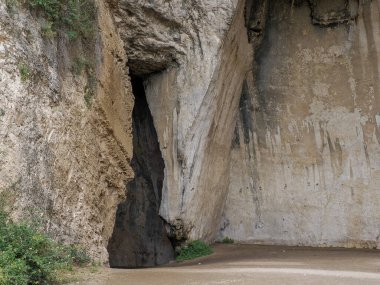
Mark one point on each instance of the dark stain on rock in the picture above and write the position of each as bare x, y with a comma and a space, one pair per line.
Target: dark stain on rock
246, 109
336, 156
372, 57
236, 137
255, 14
329, 13
139, 238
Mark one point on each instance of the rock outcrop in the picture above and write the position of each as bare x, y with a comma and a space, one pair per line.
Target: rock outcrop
296, 125
62, 158
305, 160
196, 128
265, 125
139, 238
204, 49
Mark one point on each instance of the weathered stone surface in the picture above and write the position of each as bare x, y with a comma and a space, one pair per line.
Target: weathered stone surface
195, 126
326, 13
160, 33
58, 157
139, 238
267, 115
199, 53
194, 109
305, 162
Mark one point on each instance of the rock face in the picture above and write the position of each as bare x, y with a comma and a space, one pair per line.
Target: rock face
303, 155
265, 125
193, 108
139, 238
60, 157
289, 137
305, 160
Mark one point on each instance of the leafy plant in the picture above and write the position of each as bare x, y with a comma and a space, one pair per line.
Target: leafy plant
79, 18
78, 255
24, 71
28, 256
47, 30
2, 112
80, 64
75, 17
193, 250
228, 240
94, 267
90, 88
51, 8
88, 96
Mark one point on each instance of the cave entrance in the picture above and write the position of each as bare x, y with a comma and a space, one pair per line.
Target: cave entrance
139, 238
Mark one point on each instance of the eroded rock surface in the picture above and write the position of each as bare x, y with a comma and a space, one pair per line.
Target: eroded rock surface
266, 113
305, 162
65, 161
139, 238
203, 47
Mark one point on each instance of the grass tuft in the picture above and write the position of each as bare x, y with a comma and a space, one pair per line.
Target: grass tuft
193, 250
24, 71
228, 240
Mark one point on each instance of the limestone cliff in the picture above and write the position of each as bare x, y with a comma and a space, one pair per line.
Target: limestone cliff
204, 48
63, 156
305, 159
296, 127
257, 120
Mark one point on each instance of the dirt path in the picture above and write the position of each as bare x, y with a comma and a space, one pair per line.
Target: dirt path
259, 265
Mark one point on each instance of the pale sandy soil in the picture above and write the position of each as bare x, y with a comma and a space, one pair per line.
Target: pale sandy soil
258, 265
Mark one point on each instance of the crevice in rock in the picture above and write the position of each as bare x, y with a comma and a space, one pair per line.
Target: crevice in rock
327, 13
255, 16
139, 238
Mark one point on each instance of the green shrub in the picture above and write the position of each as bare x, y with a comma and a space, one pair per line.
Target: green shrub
24, 71
47, 30
28, 256
228, 240
78, 17
89, 92
193, 250
49, 7
78, 255
75, 17
81, 63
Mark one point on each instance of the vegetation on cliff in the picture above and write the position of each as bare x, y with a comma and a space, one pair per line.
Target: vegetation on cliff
193, 250
75, 17
28, 256
228, 240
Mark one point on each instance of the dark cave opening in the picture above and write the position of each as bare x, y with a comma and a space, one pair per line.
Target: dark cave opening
139, 238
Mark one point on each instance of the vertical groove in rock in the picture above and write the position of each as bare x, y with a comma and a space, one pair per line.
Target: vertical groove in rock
194, 110
305, 166
139, 238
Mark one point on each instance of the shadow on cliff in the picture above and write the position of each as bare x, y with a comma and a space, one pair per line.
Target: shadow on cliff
139, 238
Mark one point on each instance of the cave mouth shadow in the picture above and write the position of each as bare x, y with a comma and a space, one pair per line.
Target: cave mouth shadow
139, 237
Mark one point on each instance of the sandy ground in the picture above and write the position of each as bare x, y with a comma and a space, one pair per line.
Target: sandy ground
258, 265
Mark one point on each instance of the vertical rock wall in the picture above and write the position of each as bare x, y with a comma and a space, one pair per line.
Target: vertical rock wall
60, 157
305, 166
193, 56
267, 116
194, 109
139, 237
